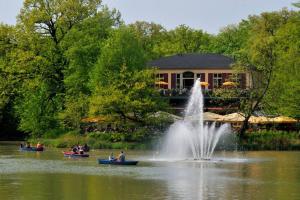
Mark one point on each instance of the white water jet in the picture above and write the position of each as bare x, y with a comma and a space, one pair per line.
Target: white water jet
191, 135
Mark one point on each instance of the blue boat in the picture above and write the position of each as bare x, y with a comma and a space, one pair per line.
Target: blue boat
115, 162
31, 149
75, 155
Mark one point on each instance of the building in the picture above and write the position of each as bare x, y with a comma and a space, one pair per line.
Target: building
181, 71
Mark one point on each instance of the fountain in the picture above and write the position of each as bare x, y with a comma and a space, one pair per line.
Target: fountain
191, 135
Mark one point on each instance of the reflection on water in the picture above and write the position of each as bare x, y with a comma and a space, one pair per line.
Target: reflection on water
231, 175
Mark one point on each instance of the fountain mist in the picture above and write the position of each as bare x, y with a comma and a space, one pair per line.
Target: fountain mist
191, 135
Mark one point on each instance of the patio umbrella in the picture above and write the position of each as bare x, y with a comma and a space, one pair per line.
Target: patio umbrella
229, 83
161, 83
284, 119
209, 116
233, 117
260, 120
204, 83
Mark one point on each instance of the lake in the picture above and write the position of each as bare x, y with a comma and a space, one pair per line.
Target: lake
230, 175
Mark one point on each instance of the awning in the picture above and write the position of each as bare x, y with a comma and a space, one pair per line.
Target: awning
161, 83
229, 83
204, 83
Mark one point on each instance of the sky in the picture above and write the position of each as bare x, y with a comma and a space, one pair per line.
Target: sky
208, 15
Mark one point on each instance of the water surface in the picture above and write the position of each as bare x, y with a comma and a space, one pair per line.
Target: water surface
230, 175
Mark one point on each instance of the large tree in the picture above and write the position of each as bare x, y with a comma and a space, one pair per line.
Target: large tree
231, 39
260, 58
131, 96
150, 35
120, 83
9, 83
285, 85
183, 39
122, 48
82, 47
43, 26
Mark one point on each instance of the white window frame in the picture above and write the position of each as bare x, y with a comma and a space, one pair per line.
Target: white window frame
217, 80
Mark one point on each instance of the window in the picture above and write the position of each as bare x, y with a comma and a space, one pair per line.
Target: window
217, 80
188, 80
188, 75
161, 77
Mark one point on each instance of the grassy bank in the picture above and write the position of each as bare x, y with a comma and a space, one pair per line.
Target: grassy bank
260, 140
99, 140
271, 140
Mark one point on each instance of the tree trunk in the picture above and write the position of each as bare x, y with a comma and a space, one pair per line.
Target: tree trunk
245, 126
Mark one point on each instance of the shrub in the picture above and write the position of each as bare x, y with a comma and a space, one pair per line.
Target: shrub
271, 140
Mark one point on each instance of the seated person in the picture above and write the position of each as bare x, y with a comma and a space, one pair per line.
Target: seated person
121, 157
28, 145
86, 148
81, 150
111, 157
75, 149
39, 145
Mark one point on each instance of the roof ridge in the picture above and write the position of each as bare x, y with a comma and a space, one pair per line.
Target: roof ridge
193, 60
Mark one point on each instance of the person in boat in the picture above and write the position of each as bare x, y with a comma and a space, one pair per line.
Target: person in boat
81, 150
39, 145
121, 157
75, 149
111, 157
86, 148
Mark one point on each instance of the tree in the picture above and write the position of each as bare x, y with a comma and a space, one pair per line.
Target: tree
82, 46
130, 97
120, 83
121, 48
37, 111
9, 84
150, 35
285, 86
43, 26
231, 39
183, 39
259, 57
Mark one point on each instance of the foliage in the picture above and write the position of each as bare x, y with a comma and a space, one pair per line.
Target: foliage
136, 136
40, 58
120, 84
231, 39
150, 35
285, 85
271, 140
68, 59
122, 48
131, 96
82, 47
37, 111
183, 39
260, 59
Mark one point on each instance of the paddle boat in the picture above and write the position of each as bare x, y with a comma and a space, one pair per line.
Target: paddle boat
32, 149
75, 155
116, 162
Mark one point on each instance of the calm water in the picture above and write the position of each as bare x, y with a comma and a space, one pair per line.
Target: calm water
231, 175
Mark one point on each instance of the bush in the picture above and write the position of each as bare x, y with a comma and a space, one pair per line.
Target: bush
54, 133
271, 140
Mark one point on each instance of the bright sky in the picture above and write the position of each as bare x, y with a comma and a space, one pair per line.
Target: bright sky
209, 15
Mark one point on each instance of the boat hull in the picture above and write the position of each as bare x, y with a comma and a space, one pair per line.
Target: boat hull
111, 162
75, 155
31, 149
